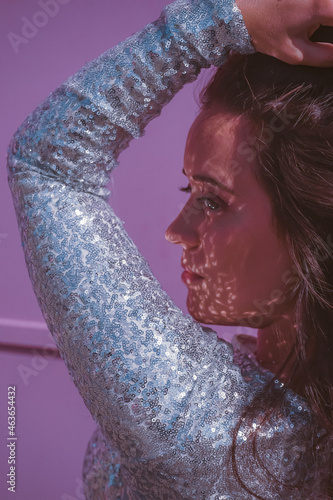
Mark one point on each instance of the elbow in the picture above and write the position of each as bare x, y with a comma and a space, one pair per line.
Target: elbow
12, 157
21, 153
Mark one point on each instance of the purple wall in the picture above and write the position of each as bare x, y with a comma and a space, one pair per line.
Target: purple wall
53, 426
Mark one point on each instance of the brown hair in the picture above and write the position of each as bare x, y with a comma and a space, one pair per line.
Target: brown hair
290, 109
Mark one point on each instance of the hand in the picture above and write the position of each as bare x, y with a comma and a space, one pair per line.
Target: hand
282, 28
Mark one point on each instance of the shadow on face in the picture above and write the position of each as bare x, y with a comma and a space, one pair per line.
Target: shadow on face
235, 266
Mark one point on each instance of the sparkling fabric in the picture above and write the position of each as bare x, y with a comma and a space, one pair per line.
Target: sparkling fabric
165, 392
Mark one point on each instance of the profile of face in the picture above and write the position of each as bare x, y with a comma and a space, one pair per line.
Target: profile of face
235, 266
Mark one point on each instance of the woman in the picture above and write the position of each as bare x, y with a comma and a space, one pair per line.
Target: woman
176, 411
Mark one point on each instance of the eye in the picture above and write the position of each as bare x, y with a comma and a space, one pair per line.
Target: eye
209, 203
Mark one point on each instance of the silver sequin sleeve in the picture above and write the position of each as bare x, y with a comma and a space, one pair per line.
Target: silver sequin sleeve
165, 393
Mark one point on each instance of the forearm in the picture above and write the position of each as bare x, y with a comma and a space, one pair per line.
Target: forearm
93, 116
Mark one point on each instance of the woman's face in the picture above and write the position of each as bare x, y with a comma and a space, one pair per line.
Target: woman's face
235, 267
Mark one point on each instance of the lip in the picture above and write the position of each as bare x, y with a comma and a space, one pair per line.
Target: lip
189, 278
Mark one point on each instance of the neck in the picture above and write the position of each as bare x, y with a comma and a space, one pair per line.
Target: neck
274, 344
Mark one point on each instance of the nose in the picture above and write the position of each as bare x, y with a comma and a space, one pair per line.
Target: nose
183, 230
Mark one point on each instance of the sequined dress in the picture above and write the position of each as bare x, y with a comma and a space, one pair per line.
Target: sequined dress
165, 392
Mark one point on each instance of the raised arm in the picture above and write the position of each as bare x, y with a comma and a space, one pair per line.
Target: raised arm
143, 369
164, 391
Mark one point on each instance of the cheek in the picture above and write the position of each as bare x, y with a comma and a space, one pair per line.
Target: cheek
246, 261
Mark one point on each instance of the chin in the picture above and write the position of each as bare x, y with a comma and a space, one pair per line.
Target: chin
209, 318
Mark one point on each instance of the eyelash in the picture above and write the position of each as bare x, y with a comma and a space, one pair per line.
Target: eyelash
207, 200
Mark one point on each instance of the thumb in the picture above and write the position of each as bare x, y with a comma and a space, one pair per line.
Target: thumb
316, 54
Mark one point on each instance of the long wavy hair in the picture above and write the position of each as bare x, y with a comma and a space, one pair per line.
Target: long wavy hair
290, 111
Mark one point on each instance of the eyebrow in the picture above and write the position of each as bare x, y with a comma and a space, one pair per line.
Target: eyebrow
210, 180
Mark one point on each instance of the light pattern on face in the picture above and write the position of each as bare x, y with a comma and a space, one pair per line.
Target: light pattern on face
236, 268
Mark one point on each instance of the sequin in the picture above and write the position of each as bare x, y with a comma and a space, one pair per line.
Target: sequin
165, 392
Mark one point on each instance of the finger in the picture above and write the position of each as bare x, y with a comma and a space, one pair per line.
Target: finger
315, 54
287, 50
